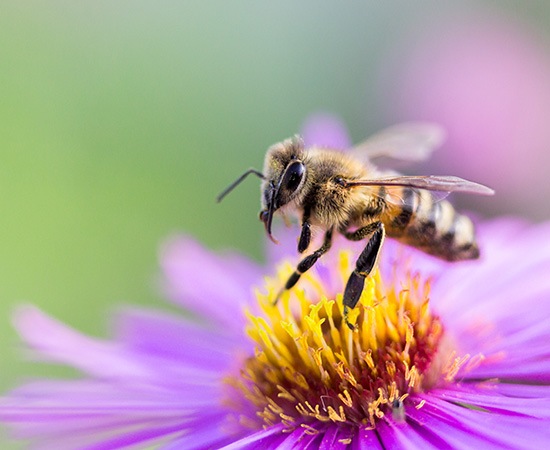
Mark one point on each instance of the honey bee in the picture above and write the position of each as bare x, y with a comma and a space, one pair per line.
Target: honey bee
344, 192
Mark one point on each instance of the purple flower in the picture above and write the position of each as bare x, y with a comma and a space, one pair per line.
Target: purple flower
447, 356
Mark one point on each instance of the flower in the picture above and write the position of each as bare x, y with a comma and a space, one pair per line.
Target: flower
446, 356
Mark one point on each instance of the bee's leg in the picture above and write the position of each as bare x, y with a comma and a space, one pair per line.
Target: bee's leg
305, 235
307, 263
360, 233
364, 265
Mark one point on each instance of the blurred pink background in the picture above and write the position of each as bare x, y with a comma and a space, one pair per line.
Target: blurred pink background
486, 78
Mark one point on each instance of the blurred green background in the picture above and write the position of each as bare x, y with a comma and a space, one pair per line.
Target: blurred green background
121, 121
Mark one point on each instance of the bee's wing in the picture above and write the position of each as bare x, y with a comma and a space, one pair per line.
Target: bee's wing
411, 141
394, 195
436, 183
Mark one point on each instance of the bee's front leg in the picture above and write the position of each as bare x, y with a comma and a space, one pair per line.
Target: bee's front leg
305, 235
364, 265
307, 263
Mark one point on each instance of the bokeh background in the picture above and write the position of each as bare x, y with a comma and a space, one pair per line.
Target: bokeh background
121, 121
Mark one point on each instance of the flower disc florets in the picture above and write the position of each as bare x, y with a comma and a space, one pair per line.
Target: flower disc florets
310, 367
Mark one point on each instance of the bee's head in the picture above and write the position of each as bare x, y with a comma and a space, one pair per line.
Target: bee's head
285, 174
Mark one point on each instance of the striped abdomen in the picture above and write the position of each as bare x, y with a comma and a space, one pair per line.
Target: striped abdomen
432, 226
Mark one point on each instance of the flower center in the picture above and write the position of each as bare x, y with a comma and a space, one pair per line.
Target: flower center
309, 366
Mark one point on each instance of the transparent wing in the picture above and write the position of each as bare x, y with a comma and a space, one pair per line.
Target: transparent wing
394, 195
413, 141
446, 184
436, 188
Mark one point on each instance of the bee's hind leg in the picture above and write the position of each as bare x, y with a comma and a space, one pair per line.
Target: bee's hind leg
361, 233
305, 264
364, 265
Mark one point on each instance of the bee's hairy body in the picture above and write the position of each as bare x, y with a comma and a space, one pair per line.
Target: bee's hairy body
344, 192
416, 219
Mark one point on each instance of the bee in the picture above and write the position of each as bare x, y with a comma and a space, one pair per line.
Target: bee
344, 192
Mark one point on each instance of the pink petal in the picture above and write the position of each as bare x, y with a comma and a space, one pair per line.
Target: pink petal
214, 287
324, 129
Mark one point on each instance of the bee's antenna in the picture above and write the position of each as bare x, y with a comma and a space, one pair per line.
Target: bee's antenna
237, 181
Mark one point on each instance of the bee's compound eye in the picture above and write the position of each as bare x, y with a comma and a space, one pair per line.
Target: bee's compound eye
293, 176
263, 215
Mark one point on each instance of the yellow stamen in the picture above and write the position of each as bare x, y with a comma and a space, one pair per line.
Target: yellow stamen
421, 404
309, 366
